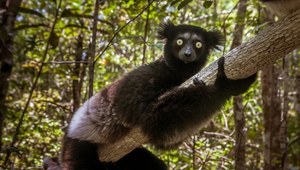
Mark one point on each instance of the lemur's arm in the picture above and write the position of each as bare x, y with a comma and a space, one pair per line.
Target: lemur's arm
180, 112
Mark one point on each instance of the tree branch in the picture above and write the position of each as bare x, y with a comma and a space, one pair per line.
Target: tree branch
268, 46
92, 50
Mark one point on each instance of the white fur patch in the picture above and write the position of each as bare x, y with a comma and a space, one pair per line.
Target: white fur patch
81, 126
78, 117
94, 121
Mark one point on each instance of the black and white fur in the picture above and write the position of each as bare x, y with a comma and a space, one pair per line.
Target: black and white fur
149, 98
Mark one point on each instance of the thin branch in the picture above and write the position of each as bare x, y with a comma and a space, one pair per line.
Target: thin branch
219, 135
92, 49
224, 23
76, 90
67, 62
146, 34
27, 26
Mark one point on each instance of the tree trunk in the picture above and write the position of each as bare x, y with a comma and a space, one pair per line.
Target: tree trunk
92, 51
238, 108
240, 133
243, 61
283, 135
76, 74
274, 121
7, 21
271, 107
297, 105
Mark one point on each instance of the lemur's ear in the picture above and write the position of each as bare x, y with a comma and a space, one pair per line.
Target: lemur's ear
165, 30
214, 40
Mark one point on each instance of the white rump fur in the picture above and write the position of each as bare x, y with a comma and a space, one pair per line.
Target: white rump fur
96, 122
81, 126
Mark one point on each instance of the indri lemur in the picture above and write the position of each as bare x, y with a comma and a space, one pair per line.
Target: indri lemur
282, 7
149, 97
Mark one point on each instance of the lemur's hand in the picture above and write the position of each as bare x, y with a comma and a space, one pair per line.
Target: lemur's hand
199, 83
232, 87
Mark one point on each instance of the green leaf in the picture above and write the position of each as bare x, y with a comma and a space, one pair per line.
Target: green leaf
54, 1
207, 4
68, 13
183, 4
174, 2
30, 11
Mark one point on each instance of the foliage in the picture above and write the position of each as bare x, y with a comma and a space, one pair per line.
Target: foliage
51, 104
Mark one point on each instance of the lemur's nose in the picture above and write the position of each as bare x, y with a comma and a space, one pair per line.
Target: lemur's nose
188, 53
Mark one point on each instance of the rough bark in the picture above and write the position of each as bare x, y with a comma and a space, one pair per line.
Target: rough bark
283, 135
272, 117
115, 151
8, 15
92, 51
268, 46
238, 108
240, 133
76, 74
297, 103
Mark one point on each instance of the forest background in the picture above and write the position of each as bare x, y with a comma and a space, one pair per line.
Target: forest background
53, 54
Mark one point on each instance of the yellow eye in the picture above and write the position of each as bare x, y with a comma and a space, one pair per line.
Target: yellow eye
198, 44
179, 42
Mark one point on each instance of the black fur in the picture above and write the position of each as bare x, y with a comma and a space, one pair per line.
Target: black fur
82, 155
148, 97
186, 109
167, 30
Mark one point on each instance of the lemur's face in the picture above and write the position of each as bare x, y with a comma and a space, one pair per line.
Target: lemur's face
187, 46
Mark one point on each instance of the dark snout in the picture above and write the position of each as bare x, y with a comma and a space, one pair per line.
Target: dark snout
188, 52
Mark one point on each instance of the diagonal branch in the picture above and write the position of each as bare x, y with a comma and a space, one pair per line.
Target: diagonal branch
269, 45
243, 61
